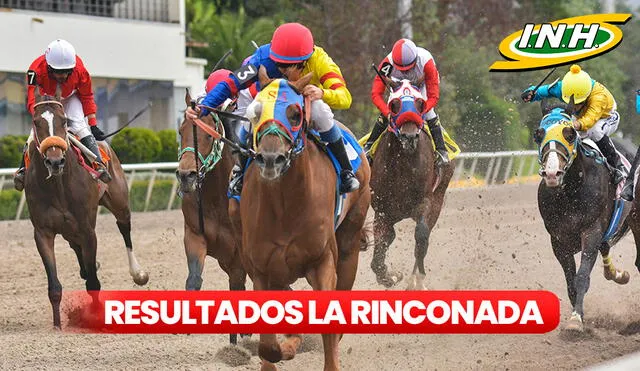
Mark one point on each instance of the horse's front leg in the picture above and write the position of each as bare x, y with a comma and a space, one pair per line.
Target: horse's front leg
237, 280
44, 242
384, 236
89, 250
268, 348
563, 250
195, 247
422, 233
324, 277
590, 244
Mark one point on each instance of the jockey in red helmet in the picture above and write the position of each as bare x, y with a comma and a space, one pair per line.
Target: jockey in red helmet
59, 65
292, 54
408, 61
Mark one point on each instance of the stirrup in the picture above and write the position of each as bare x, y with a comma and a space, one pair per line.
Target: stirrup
18, 179
348, 182
235, 183
442, 159
627, 193
104, 176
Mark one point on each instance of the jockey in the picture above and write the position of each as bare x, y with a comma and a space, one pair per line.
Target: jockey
60, 65
292, 54
595, 113
407, 61
237, 103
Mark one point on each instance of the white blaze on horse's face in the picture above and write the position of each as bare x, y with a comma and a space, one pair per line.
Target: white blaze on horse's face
48, 116
552, 170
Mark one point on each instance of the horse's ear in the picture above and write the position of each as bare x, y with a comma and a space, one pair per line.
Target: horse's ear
263, 77
302, 82
538, 135
187, 98
569, 133
571, 106
544, 107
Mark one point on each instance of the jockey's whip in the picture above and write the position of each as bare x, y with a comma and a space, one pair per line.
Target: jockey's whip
383, 78
222, 59
130, 121
543, 80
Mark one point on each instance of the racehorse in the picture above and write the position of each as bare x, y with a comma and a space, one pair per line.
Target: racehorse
286, 212
577, 201
405, 183
63, 197
217, 239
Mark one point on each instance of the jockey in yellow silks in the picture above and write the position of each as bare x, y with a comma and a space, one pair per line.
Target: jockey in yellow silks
595, 111
292, 54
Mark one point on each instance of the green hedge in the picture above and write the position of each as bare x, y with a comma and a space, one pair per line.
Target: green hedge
168, 146
137, 145
11, 147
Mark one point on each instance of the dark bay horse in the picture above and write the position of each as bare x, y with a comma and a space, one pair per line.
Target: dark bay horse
287, 212
405, 183
577, 199
63, 199
218, 239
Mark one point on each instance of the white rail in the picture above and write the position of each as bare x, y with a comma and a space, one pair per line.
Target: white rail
469, 164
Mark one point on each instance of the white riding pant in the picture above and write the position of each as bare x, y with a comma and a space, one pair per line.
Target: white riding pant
76, 122
602, 127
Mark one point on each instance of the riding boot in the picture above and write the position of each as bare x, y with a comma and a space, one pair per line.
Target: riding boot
237, 172
607, 149
18, 178
348, 180
90, 142
438, 140
378, 128
628, 189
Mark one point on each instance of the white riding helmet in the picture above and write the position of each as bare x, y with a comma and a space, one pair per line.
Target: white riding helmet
60, 55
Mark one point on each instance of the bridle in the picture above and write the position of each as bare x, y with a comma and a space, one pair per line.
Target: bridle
55, 141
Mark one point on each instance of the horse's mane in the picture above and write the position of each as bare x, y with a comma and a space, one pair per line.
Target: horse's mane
546, 106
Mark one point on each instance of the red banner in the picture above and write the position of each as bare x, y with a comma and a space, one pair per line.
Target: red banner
356, 312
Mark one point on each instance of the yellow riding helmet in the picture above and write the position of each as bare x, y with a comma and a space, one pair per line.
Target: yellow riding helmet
577, 83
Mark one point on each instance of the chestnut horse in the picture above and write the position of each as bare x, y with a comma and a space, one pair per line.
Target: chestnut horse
577, 200
63, 198
217, 239
405, 183
286, 215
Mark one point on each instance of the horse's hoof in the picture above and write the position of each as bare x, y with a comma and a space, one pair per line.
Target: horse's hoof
390, 279
621, 278
417, 282
290, 347
141, 278
270, 352
575, 323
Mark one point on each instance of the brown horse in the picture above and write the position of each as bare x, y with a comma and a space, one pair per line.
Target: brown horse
406, 184
287, 215
218, 239
63, 199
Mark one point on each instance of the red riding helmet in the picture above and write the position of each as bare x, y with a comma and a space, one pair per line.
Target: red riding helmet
291, 43
404, 54
215, 78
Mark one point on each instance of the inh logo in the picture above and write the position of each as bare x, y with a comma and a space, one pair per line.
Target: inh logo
561, 42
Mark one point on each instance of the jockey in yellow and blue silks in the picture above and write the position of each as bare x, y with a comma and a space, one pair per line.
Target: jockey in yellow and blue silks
595, 111
292, 54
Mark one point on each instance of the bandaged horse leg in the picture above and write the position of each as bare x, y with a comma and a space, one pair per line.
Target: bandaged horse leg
422, 233
384, 236
323, 121
611, 273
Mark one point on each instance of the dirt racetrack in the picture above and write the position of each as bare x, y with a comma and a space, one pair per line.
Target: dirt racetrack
485, 239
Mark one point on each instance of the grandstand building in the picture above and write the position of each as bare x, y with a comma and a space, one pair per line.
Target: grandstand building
134, 50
